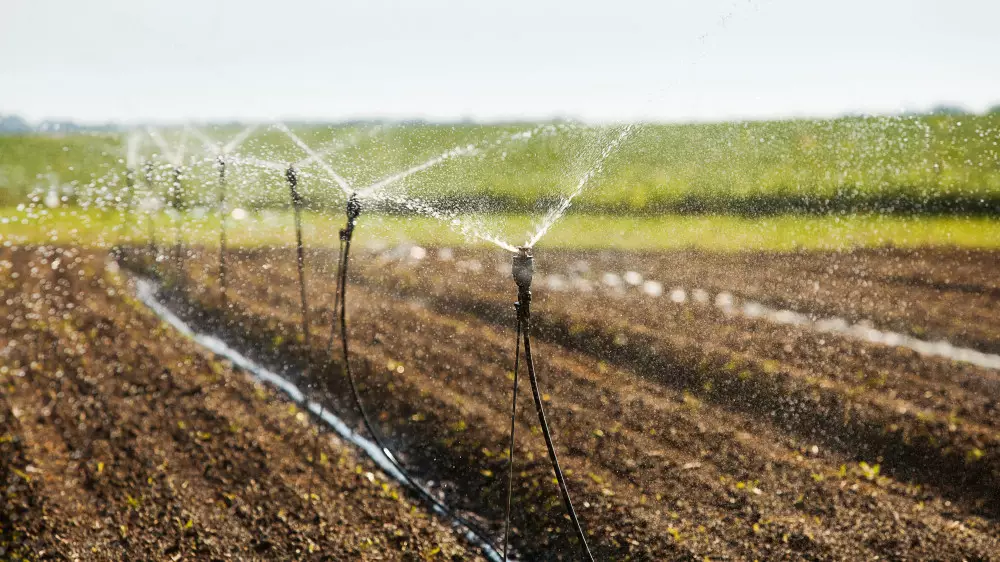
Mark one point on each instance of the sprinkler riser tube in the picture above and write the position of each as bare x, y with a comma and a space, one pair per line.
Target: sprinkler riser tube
129, 199
178, 202
291, 174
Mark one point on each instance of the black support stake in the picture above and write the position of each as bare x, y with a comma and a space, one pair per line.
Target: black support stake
293, 186
222, 232
513, 418
129, 201
150, 217
178, 204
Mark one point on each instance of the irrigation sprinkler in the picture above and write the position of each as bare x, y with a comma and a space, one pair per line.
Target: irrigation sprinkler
291, 174
222, 231
221, 152
129, 200
147, 178
346, 233
177, 203
353, 210
522, 270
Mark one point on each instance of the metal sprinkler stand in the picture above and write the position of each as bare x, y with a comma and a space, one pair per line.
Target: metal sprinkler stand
522, 270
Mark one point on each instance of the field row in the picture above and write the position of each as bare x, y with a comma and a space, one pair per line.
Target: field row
122, 440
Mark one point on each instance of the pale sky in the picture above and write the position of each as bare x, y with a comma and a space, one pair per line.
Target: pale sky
135, 60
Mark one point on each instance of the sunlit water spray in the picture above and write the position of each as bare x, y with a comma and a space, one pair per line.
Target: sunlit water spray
344, 185
133, 143
453, 153
174, 157
556, 213
468, 227
218, 148
377, 190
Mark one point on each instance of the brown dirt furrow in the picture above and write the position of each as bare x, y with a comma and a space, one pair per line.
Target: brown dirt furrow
146, 447
924, 444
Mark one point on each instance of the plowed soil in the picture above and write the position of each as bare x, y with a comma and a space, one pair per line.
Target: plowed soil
121, 440
686, 433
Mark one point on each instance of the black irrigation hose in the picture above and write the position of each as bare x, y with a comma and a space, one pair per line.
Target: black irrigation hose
552, 451
522, 271
353, 210
513, 417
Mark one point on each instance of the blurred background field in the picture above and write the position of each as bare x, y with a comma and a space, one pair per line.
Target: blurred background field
920, 165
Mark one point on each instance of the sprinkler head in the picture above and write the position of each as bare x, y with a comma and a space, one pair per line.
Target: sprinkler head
523, 268
292, 175
353, 207
353, 211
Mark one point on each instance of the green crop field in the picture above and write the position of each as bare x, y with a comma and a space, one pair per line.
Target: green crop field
907, 165
103, 229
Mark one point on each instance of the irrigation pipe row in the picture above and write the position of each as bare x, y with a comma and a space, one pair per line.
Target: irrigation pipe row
522, 270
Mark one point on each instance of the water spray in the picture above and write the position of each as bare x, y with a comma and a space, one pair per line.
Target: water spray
522, 270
